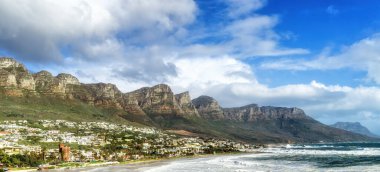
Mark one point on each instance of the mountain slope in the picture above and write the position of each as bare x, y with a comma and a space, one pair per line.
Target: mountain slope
271, 124
41, 95
355, 127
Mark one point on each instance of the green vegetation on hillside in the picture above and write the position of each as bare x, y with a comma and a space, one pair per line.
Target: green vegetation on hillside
36, 108
18, 160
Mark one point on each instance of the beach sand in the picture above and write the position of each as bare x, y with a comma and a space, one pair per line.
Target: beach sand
136, 166
139, 166
131, 166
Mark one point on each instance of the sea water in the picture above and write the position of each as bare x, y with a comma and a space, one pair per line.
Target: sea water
313, 157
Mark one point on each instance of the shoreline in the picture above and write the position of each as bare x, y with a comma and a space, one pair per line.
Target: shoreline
146, 163
135, 164
138, 165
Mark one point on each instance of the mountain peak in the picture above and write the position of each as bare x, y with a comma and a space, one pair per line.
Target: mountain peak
68, 79
208, 107
161, 86
11, 63
15, 75
44, 73
7, 62
355, 127
184, 96
184, 101
203, 99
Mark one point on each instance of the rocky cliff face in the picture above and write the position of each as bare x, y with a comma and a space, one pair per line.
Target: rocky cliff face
15, 75
7, 79
20, 82
245, 113
47, 84
185, 103
66, 79
253, 113
100, 94
208, 108
158, 99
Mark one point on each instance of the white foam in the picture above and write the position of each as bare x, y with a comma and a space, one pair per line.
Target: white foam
248, 162
365, 151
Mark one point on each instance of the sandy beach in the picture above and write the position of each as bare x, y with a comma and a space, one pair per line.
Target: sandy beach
133, 167
144, 165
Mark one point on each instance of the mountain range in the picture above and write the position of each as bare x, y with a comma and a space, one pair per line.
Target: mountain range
355, 127
26, 95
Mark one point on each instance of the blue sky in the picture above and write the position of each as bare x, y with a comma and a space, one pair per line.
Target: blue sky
317, 25
321, 56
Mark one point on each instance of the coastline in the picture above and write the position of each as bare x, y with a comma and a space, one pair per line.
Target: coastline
137, 165
281, 159
163, 163
134, 165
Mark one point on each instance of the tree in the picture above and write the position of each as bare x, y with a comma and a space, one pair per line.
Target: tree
4, 158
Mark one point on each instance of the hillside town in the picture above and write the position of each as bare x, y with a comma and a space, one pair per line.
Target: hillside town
57, 141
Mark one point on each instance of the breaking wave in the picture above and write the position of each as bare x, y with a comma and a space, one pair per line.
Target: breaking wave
313, 157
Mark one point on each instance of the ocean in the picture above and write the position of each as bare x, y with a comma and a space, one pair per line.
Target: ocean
314, 157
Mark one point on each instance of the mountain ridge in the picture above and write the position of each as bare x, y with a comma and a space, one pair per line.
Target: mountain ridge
158, 106
355, 127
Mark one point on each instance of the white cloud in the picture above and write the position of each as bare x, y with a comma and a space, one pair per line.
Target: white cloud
200, 74
135, 40
362, 55
287, 95
103, 38
360, 98
40, 29
238, 8
254, 36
